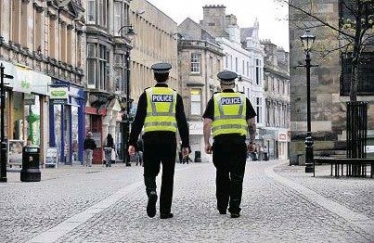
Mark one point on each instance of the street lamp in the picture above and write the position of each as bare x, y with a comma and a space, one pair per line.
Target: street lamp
129, 32
308, 39
4, 148
126, 118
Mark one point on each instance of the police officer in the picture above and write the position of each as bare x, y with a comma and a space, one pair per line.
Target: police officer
160, 110
229, 115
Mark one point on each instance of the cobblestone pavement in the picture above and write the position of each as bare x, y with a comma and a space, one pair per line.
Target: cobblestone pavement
280, 203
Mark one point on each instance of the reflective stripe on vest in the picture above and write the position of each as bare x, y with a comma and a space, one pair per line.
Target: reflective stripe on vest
161, 109
229, 114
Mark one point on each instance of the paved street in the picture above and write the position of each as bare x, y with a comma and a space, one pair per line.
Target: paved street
280, 203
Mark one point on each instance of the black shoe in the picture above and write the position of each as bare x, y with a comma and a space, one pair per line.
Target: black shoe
151, 207
166, 215
235, 215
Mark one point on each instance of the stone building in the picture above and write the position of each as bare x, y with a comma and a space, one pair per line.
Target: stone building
200, 59
277, 98
42, 46
328, 89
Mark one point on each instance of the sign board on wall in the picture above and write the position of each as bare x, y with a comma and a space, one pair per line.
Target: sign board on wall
59, 95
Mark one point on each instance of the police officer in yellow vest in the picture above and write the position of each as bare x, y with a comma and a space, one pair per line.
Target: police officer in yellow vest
229, 115
161, 112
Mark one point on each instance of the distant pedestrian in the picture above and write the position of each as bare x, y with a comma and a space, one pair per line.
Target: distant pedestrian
161, 111
228, 116
88, 146
108, 150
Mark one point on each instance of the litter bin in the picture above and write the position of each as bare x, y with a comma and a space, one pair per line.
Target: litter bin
197, 156
294, 160
265, 156
30, 164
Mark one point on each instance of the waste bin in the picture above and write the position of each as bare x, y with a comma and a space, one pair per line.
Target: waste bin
265, 156
30, 164
197, 156
294, 159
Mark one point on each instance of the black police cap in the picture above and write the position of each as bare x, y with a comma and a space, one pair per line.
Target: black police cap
162, 67
227, 76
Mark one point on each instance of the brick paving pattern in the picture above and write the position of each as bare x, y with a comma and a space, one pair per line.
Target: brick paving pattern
280, 203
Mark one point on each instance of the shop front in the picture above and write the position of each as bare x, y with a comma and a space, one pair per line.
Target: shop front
25, 110
66, 121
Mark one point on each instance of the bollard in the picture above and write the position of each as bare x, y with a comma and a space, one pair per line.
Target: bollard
30, 164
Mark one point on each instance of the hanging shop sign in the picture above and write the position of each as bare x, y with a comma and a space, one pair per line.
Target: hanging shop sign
59, 95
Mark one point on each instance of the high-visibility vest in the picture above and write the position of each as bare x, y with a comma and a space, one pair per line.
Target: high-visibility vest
229, 114
161, 109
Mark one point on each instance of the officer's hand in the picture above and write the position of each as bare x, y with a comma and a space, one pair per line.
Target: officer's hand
131, 150
185, 151
208, 148
251, 147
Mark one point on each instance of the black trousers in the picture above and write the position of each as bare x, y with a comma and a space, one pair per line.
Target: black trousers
154, 154
229, 160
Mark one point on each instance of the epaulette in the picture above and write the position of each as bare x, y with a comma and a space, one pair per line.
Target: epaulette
146, 88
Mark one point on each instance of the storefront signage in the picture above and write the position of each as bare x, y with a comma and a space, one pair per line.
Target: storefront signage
59, 95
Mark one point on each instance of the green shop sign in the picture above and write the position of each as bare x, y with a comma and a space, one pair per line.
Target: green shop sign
59, 95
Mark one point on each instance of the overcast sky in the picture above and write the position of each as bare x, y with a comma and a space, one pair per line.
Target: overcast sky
270, 15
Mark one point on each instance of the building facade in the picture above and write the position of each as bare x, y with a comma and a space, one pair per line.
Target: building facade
243, 54
277, 98
329, 92
41, 46
200, 59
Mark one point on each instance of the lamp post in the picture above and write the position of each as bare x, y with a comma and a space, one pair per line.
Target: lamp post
129, 32
126, 117
4, 158
308, 39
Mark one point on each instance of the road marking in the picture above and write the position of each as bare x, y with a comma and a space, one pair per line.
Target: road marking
359, 220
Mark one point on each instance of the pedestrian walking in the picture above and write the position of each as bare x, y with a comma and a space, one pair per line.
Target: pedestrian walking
89, 145
160, 110
108, 150
229, 116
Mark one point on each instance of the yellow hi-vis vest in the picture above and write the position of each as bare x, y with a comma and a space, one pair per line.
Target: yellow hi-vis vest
229, 114
161, 108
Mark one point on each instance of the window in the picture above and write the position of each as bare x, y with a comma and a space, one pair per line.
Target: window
119, 72
117, 17
236, 64
248, 68
38, 25
16, 23
63, 36
195, 102
365, 85
258, 71
91, 11
195, 63
52, 37
259, 109
97, 66
91, 65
